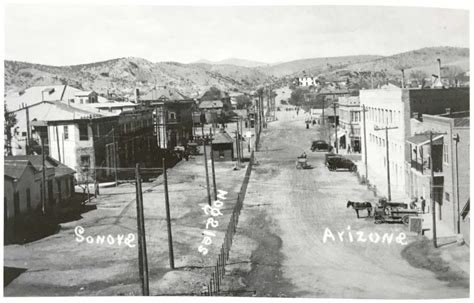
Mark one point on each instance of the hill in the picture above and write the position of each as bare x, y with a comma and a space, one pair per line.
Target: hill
234, 61
124, 74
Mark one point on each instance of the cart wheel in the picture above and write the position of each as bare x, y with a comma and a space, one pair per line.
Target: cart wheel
406, 220
387, 211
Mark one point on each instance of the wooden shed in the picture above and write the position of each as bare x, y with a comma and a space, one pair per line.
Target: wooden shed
222, 146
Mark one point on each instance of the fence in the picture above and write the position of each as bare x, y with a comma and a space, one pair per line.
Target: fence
215, 282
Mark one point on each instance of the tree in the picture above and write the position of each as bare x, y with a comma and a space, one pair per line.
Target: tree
9, 123
297, 97
243, 102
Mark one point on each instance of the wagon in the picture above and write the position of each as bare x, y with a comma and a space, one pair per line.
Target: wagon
393, 214
302, 163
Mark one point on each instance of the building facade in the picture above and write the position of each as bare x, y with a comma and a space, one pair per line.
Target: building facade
393, 108
349, 121
449, 160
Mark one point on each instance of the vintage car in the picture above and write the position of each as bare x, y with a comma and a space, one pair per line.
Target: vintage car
320, 145
334, 161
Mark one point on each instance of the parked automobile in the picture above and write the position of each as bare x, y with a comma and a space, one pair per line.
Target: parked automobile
334, 161
320, 145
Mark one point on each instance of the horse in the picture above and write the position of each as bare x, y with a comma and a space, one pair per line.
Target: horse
360, 206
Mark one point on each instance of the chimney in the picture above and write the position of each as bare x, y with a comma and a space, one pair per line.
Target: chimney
448, 111
403, 78
137, 94
439, 70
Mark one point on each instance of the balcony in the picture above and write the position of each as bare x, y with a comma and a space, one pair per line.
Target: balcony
425, 167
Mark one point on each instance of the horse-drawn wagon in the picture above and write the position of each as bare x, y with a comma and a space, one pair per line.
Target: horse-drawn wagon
393, 214
385, 212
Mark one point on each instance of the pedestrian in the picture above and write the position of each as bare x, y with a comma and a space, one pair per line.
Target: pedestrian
423, 204
348, 149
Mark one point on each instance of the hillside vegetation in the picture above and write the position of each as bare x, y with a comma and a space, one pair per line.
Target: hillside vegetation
124, 74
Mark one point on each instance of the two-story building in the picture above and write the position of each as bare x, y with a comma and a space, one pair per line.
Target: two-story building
449, 161
349, 121
393, 107
173, 116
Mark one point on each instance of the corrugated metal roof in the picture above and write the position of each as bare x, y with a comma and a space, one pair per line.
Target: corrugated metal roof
36, 161
461, 122
15, 169
36, 94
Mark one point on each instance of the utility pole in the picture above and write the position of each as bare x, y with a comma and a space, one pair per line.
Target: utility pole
142, 254
205, 165
456, 138
433, 203
115, 157
322, 121
43, 181
335, 126
28, 132
213, 170
168, 216
386, 128
241, 136
365, 145
237, 143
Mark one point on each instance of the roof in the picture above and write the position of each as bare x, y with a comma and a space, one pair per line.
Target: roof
36, 94
211, 104
422, 139
36, 161
222, 138
110, 104
86, 93
163, 93
15, 169
59, 111
461, 122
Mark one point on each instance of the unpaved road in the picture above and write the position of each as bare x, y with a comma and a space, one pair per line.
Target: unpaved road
284, 217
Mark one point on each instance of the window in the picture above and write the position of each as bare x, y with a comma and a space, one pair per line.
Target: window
172, 116
446, 196
66, 132
83, 132
445, 154
23, 134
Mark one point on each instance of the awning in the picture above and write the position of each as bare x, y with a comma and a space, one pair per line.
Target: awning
339, 135
422, 139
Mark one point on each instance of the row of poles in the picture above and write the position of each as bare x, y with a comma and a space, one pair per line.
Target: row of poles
142, 251
217, 276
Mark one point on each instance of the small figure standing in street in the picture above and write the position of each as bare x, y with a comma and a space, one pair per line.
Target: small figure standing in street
423, 204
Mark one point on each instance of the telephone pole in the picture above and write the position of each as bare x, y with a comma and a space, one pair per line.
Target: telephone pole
335, 126
115, 157
386, 128
43, 179
168, 216
365, 145
213, 170
142, 254
456, 138
205, 165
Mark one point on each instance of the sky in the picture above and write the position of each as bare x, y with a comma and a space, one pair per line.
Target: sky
56, 34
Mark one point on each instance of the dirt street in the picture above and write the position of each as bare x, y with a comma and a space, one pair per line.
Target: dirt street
279, 248
59, 265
